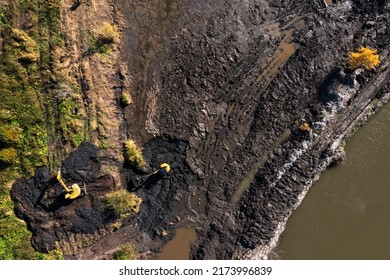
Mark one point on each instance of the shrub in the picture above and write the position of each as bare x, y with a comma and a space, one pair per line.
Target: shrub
305, 127
107, 34
133, 154
28, 50
8, 155
366, 57
125, 99
125, 252
9, 134
121, 203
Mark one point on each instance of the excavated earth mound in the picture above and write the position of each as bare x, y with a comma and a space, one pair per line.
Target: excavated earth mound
51, 218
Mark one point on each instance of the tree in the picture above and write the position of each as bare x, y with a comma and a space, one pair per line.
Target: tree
366, 57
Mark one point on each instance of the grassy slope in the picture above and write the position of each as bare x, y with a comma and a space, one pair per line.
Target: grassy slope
29, 31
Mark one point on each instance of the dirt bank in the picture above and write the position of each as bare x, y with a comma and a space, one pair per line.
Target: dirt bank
220, 90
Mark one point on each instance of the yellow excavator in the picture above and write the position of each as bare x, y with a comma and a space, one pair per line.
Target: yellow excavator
162, 170
73, 191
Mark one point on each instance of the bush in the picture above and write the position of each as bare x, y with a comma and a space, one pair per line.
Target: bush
28, 50
9, 134
8, 155
305, 127
125, 99
366, 57
121, 203
107, 34
133, 154
125, 252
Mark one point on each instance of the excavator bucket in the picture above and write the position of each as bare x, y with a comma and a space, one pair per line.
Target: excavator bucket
71, 193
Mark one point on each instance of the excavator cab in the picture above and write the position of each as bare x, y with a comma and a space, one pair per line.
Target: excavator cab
164, 169
71, 192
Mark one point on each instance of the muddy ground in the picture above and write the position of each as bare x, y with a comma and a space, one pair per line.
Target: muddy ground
220, 90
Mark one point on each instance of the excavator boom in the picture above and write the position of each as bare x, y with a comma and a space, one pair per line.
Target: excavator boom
62, 182
71, 193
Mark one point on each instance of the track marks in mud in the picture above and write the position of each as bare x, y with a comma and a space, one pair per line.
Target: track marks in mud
230, 128
245, 183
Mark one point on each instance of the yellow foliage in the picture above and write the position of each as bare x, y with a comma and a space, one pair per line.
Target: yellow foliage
108, 34
8, 155
28, 50
9, 134
121, 203
305, 127
125, 99
133, 154
366, 57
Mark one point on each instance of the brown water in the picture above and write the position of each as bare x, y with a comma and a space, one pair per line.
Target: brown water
250, 177
328, 2
179, 247
345, 215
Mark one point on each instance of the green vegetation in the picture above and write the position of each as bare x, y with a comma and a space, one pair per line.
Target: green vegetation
364, 57
8, 155
10, 134
125, 252
26, 50
133, 154
22, 119
121, 203
14, 237
107, 34
28, 37
125, 99
102, 41
72, 124
55, 255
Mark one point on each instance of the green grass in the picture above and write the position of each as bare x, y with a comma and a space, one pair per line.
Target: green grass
14, 237
122, 203
72, 124
102, 40
125, 99
133, 155
9, 134
26, 78
125, 252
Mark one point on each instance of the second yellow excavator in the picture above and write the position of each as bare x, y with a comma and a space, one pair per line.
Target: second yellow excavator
72, 192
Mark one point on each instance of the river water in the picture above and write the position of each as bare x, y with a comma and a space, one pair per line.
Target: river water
345, 214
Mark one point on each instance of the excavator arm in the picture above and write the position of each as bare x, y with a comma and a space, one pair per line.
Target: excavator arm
62, 182
71, 193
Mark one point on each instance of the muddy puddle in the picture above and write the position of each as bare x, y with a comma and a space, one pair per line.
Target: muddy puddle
344, 215
250, 177
179, 247
328, 2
